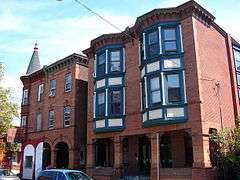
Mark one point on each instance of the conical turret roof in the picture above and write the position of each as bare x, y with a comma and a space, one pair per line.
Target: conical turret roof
34, 64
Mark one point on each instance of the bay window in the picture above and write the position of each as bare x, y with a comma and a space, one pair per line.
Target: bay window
100, 104
115, 61
101, 63
173, 89
152, 43
155, 92
115, 102
169, 40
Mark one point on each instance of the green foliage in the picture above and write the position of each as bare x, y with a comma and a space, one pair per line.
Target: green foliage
8, 110
227, 153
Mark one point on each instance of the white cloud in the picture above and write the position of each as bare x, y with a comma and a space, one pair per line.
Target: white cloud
9, 22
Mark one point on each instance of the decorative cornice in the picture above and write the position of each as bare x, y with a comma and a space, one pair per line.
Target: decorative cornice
63, 63
56, 66
188, 9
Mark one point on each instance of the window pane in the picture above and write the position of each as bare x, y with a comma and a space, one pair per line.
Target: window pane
155, 83
153, 49
172, 63
156, 96
237, 55
238, 79
115, 55
153, 37
101, 98
115, 66
238, 65
173, 85
101, 104
170, 46
102, 59
39, 122
169, 34
115, 102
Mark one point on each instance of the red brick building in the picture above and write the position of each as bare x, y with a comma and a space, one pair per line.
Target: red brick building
10, 149
54, 115
156, 92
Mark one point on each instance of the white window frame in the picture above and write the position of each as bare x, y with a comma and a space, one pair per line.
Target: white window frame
51, 118
40, 92
66, 116
52, 89
39, 122
25, 97
68, 82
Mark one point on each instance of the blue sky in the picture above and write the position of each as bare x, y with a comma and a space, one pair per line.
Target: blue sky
64, 27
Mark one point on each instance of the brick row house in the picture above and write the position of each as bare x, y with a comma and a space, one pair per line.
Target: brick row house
53, 113
156, 92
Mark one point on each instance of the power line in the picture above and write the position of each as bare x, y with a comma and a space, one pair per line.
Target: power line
101, 17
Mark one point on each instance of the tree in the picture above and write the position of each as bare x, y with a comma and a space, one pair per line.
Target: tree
8, 110
227, 154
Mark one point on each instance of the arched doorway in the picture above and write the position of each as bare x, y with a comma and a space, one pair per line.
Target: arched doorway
46, 155
62, 155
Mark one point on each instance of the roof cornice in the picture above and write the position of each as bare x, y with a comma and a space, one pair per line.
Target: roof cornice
188, 9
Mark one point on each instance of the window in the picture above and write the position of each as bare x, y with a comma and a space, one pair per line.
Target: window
68, 83
52, 90
237, 59
39, 122
152, 43
28, 161
115, 61
51, 119
67, 115
169, 40
115, 102
61, 176
23, 121
155, 93
173, 92
101, 63
25, 97
100, 104
40, 93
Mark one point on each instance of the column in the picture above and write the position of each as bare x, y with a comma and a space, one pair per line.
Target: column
53, 158
90, 158
118, 155
71, 158
201, 157
154, 138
